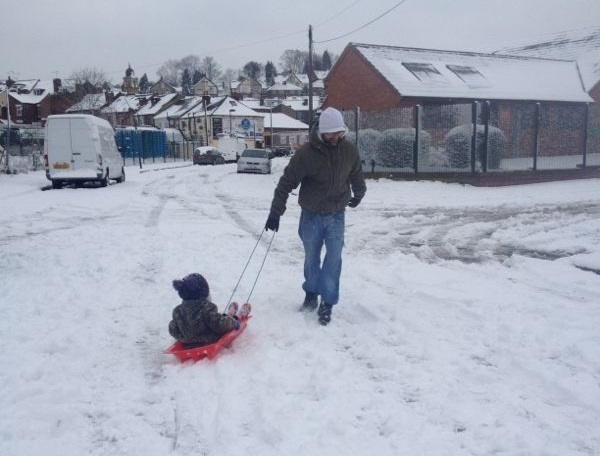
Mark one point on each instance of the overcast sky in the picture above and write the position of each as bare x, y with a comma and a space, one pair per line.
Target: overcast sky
45, 39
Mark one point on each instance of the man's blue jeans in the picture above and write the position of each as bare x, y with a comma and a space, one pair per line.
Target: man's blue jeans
317, 230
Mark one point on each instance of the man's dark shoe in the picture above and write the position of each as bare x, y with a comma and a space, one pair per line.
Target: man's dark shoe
324, 313
310, 302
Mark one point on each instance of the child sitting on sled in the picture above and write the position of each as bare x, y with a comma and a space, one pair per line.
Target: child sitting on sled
197, 321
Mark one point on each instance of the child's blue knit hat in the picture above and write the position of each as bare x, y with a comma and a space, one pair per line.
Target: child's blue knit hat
192, 286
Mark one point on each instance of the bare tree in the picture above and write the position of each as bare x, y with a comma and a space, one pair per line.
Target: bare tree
211, 68
293, 60
191, 62
169, 72
229, 75
89, 79
172, 70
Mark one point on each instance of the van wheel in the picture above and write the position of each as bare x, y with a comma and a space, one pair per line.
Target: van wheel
57, 184
104, 181
122, 178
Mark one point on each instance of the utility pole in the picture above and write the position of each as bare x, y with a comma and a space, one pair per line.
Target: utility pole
8, 123
310, 71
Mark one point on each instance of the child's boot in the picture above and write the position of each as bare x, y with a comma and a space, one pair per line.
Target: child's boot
245, 310
232, 310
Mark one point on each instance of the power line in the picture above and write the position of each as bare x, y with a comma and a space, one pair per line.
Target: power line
267, 40
364, 25
335, 16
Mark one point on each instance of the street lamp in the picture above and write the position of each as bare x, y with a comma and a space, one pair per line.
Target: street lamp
271, 120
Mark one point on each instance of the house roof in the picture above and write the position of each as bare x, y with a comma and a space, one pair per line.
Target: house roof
223, 106
123, 103
204, 80
284, 87
29, 91
300, 103
151, 108
181, 108
90, 102
321, 74
429, 73
29, 98
582, 45
283, 122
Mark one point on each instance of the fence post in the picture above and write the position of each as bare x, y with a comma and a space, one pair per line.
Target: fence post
417, 143
486, 136
356, 123
586, 120
536, 137
474, 134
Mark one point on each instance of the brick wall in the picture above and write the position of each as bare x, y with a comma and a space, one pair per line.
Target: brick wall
353, 82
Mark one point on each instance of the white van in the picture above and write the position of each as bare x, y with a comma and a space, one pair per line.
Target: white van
231, 147
81, 148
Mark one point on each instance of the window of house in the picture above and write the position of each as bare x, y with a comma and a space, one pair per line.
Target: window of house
425, 72
217, 126
19, 110
469, 75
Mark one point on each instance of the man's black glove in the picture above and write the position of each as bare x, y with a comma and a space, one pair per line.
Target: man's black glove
354, 201
272, 222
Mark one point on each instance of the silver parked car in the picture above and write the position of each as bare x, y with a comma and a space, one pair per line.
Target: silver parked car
254, 161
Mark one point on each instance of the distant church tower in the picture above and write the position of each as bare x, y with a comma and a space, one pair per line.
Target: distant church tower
130, 82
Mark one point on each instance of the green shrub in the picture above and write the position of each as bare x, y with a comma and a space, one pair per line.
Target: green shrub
395, 148
367, 143
458, 146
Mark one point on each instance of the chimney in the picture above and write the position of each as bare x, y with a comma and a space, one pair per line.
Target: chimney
57, 83
109, 96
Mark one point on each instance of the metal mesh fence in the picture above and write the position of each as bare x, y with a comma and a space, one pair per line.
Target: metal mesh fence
476, 137
593, 136
468, 137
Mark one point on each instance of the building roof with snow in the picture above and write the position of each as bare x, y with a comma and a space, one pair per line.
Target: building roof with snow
155, 104
428, 73
300, 103
227, 104
283, 87
283, 122
123, 103
29, 91
180, 108
89, 102
582, 45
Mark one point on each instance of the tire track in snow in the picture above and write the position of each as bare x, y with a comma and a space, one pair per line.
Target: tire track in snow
474, 235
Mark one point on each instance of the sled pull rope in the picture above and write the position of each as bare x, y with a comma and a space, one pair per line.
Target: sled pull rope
246, 267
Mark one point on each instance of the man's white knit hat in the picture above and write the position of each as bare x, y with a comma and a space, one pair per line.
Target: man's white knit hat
331, 121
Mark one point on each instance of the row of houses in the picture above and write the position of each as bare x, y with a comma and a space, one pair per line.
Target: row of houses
200, 118
563, 71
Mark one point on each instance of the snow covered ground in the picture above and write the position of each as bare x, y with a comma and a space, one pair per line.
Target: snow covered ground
468, 323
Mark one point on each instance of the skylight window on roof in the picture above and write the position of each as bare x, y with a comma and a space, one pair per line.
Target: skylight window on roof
469, 75
425, 72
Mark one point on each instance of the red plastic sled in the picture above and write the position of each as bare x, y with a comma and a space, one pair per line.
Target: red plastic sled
207, 351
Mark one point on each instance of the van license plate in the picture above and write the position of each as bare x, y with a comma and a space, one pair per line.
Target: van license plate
60, 165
